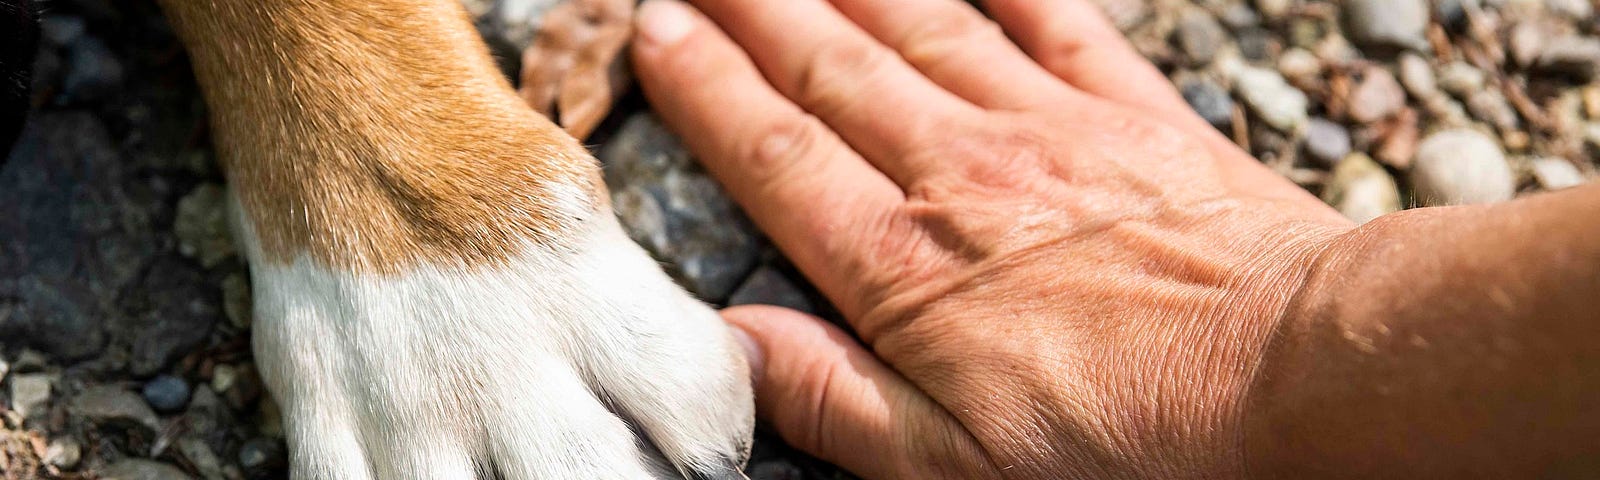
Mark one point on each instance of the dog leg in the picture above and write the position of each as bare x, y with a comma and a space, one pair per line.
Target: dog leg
441, 291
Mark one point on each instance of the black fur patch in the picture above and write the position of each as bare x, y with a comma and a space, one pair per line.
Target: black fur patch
19, 41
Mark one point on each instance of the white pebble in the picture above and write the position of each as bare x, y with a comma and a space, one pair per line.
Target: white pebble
1556, 173
1459, 167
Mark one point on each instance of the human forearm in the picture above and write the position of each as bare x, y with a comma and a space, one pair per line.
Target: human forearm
1441, 342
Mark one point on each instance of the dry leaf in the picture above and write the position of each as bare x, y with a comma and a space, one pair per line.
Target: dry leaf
571, 72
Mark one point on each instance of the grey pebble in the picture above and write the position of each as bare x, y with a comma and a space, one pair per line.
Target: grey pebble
202, 225
61, 30
676, 211
107, 404
1451, 13
1461, 166
92, 71
768, 286
1210, 101
1258, 44
776, 470
1200, 35
261, 453
166, 393
1326, 141
1489, 105
202, 458
30, 393
1461, 79
1388, 23
141, 469
1279, 104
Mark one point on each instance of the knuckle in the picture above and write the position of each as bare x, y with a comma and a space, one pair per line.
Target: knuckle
779, 147
825, 82
938, 37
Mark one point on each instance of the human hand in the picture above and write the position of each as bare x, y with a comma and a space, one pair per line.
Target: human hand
1059, 270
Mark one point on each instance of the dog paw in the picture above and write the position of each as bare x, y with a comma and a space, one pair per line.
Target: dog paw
584, 362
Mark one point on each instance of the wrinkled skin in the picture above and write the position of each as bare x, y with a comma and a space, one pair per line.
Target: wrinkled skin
1065, 272
1056, 270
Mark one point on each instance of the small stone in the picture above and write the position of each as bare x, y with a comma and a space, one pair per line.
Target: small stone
1336, 50
261, 454
1361, 189
1526, 41
766, 286
1210, 101
222, 377
1461, 166
1125, 14
1258, 44
106, 404
1417, 76
1200, 35
30, 394
1399, 24
1461, 79
1304, 32
1571, 56
269, 420
1491, 106
29, 361
200, 455
776, 470
1299, 63
1273, 9
141, 469
1376, 97
166, 393
1326, 141
1279, 104
61, 30
1556, 174
1445, 110
1574, 9
676, 211
1238, 15
63, 453
202, 225
92, 71
236, 300
1452, 14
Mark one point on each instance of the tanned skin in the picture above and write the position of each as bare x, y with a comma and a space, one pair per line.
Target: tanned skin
1056, 270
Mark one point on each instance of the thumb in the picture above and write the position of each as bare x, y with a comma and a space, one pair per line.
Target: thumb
828, 396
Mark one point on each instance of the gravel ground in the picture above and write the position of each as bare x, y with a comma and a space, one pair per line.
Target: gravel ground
124, 311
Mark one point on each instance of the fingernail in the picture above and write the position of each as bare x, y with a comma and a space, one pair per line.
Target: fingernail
752, 353
664, 22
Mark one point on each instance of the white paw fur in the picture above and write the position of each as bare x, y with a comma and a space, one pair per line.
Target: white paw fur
586, 364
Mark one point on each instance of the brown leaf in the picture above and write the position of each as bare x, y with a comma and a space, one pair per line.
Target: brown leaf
570, 73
